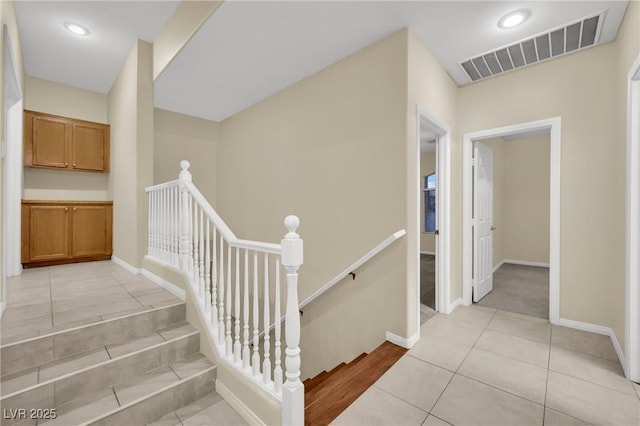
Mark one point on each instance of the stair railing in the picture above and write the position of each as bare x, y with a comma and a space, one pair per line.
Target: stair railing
236, 282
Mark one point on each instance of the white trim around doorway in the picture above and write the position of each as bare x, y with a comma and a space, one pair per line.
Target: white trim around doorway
631, 362
554, 125
443, 206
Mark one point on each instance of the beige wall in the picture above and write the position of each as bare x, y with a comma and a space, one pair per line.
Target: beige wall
430, 87
182, 137
427, 166
520, 199
8, 18
60, 99
526, 200
328, 150
581, 88
131, 116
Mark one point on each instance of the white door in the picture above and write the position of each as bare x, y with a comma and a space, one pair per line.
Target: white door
483, 221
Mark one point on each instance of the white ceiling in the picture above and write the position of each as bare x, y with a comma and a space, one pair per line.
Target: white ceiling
89, 62
249, 50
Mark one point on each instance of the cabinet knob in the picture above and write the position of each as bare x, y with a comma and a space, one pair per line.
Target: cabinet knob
66, 209
66, 164
74, 164
74, 209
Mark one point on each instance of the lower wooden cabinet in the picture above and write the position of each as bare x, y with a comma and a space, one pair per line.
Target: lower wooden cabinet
55, 232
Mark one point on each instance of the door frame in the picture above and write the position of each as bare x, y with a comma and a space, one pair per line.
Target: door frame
443, 204
632, 244
12, 170
554, 125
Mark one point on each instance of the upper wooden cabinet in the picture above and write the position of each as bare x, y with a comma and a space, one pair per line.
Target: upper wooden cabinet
55, 142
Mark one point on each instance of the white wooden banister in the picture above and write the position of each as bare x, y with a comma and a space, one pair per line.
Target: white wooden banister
228, 277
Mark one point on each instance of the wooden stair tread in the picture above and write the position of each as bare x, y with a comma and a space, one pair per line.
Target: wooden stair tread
335, 394
310, 394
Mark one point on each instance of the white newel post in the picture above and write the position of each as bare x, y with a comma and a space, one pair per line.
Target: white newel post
185, 219
293, 389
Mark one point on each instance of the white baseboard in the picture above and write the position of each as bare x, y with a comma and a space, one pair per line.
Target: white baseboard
526, 263
171, 288
495, 268
453, 305
431, 253
598, 329
403, 342
125, 265
245, 412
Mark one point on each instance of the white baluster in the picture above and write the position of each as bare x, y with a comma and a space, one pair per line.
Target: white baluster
185, 219
201, 257
221, 293
266, 363
293, 389
214, 283
196, 253
165, 231
236, 341
160, 225
150, 226
207, 270
174, 226
277, 371
256, 339
228, 341
245, 327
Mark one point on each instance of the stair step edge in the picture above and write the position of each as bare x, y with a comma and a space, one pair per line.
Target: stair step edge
202, 391
100, 364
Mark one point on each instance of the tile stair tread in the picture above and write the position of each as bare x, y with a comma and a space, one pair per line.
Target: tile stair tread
342, 389
88, 358
96, 404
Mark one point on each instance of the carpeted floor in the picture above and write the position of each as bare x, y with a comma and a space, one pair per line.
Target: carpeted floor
521, 289
427, 287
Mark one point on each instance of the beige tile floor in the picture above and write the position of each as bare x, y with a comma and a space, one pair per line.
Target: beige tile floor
479, 366
48, 299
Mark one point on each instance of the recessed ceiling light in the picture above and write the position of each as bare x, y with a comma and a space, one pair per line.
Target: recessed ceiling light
513, 19
77, 29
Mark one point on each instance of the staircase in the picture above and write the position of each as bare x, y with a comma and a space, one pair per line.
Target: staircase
131, 370
329, 393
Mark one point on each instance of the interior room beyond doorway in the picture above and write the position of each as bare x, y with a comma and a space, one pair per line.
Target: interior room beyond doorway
520, 230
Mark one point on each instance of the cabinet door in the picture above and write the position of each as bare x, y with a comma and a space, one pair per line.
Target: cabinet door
50, 142
48, 233
89, 147
89, 234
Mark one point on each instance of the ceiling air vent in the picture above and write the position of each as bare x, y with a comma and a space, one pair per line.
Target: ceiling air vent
556, 42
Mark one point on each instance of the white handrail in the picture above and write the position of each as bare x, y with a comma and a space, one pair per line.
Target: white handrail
162, 185
355, 265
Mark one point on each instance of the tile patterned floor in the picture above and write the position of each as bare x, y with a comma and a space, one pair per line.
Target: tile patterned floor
49, 299
480, 366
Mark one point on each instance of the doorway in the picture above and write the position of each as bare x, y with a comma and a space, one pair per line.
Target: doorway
433, 139
552, 126
511, 226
